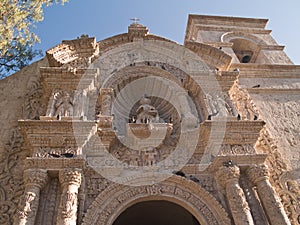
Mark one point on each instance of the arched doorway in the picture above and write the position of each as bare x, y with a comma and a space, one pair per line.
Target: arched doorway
189, 196
156, 212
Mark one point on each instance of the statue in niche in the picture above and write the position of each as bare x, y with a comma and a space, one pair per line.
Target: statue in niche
146, 113
63, 104
217, 105
80, 100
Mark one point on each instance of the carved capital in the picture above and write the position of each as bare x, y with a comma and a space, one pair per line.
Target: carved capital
35, 177
227, 174
70, 176
257, 173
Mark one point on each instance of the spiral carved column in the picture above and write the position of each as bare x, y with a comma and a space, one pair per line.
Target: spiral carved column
70, 180
228, 177
34, 180
259, 175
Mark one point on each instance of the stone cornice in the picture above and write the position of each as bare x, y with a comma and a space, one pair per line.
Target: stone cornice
56, 134
54, 164
235, 29
289, 91
218, 22
252, 70
236, 132
57, 78
243, 161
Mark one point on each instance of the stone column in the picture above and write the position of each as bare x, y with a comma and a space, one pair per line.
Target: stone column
228, 177
34, 180
259, 175
106, 95
70, 180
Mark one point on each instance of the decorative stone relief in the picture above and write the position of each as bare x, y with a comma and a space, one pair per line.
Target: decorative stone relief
244, 103
70, 180
219, 105
33, 106
228, 177
63, 105
257, 212
146, 113
11, 177
237, 149
34, 179
287, 189
47, 152
259, 175
116, 197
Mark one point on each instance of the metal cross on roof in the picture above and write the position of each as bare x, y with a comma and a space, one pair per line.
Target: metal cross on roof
135, 20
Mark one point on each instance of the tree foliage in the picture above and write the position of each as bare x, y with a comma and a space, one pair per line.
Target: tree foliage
17, 20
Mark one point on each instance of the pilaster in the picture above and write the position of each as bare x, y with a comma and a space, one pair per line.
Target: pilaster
34, 179
228, 177
70, 180
259, 175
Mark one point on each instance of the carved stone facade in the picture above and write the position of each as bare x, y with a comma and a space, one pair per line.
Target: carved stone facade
97, 128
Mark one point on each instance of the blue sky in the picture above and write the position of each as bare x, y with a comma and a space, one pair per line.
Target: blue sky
167, 18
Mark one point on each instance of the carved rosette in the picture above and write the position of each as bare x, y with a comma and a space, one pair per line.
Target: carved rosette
70, 181
35, 180
259, 175
228, 177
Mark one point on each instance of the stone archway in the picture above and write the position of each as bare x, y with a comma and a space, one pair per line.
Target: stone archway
156, 212
115, 199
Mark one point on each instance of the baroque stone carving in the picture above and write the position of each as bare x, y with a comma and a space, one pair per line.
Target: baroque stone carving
116, 197
244, 103
287, 189
70, 180
33, 106
47, 152
259, 175
63, 105
34, 179
228, 177
11, 177
237, 149
146, 113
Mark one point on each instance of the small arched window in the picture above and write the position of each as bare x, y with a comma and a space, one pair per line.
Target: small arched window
245, 50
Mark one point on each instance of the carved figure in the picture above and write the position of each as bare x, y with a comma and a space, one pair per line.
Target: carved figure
28, 198
63, 104
146, 113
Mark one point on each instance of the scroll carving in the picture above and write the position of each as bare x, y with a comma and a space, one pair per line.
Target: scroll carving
237, 149
287, 189
33, 106
11, 177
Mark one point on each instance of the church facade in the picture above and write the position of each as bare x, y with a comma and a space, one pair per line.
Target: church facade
138, 129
